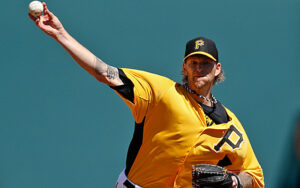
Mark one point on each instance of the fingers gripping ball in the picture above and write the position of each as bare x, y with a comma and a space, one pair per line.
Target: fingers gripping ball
212, 176
36, 8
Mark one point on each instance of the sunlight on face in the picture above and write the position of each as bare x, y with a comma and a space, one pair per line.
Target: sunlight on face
201, 71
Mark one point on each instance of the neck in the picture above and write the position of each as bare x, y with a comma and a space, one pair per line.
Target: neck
203, 96
203, 101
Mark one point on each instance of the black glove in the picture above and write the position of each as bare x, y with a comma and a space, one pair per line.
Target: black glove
212, 176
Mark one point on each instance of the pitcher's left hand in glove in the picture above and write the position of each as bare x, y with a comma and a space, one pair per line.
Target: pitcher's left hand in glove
213, 176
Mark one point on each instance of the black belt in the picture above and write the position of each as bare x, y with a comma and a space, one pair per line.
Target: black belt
128, 184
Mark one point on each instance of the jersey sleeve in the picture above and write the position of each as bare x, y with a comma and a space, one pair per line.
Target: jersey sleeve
148, 88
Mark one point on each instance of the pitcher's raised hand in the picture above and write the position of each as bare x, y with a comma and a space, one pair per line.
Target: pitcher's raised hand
48, 23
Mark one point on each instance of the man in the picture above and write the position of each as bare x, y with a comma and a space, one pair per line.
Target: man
176, 126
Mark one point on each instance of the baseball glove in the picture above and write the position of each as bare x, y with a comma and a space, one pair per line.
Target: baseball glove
212, 176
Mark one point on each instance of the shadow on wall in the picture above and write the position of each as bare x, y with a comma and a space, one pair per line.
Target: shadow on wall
289, 175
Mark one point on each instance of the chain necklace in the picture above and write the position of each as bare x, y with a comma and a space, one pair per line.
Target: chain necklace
213, 101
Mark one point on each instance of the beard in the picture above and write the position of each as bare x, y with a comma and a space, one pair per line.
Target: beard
198, 82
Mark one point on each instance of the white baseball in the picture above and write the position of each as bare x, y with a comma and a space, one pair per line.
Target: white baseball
36, 8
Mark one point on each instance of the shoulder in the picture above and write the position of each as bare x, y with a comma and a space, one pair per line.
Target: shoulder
155, 81
144, 75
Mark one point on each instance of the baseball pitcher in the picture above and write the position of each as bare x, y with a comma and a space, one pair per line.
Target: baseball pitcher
184, 137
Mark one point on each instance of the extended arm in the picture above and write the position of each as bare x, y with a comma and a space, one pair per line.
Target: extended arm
51, 25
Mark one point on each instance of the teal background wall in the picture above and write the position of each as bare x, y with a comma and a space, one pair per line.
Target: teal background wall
59, 127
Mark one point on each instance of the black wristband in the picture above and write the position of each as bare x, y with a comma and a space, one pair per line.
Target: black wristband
240, 185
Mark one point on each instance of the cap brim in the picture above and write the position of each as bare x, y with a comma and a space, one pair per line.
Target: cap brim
200, 53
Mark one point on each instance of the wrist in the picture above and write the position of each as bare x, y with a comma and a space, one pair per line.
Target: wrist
239, 182
61, 35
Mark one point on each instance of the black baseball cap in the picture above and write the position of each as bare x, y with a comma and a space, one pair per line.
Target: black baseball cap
202, 46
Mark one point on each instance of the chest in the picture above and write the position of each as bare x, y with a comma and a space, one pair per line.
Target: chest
180, 128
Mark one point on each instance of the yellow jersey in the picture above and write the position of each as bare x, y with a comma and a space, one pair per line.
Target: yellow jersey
171, 135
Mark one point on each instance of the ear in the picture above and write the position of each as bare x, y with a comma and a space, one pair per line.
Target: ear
218, 69
184, 69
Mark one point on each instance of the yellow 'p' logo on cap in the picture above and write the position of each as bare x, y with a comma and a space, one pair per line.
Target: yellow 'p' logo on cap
198, 43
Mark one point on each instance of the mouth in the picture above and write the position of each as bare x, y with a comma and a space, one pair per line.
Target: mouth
198, 76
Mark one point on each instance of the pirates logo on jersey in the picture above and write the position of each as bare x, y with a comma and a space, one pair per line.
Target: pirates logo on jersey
233, 138
198, 43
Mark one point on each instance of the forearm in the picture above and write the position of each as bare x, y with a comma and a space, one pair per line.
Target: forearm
87, 60
246, 179
79, 53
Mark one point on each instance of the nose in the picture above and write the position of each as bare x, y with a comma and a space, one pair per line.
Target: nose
199, 67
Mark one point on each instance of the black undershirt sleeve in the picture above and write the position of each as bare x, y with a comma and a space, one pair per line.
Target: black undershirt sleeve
126, 90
